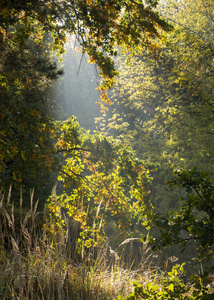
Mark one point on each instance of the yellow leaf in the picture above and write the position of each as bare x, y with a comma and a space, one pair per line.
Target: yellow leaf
171, 287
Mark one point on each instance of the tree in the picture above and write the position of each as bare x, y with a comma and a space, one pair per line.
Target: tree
26, 126
99, 25
29, 32
103, 180
194, 220
163, 103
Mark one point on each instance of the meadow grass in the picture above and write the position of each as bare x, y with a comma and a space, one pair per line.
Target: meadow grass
38, 261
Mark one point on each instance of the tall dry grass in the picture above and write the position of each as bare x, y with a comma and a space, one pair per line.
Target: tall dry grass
38, 260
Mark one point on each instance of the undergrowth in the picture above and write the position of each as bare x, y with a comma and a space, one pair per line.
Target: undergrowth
38, 261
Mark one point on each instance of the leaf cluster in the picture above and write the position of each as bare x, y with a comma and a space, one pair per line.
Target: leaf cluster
102, 180
99, 26
194, 220
170, 286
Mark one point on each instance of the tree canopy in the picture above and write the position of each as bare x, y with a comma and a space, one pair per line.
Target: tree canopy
99, 25
30, 32
163, 103
102, 180
163, 107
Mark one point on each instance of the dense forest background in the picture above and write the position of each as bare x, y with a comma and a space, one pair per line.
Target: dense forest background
106, 149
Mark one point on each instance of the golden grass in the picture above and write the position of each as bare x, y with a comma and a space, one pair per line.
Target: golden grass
35, 264
38, 260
